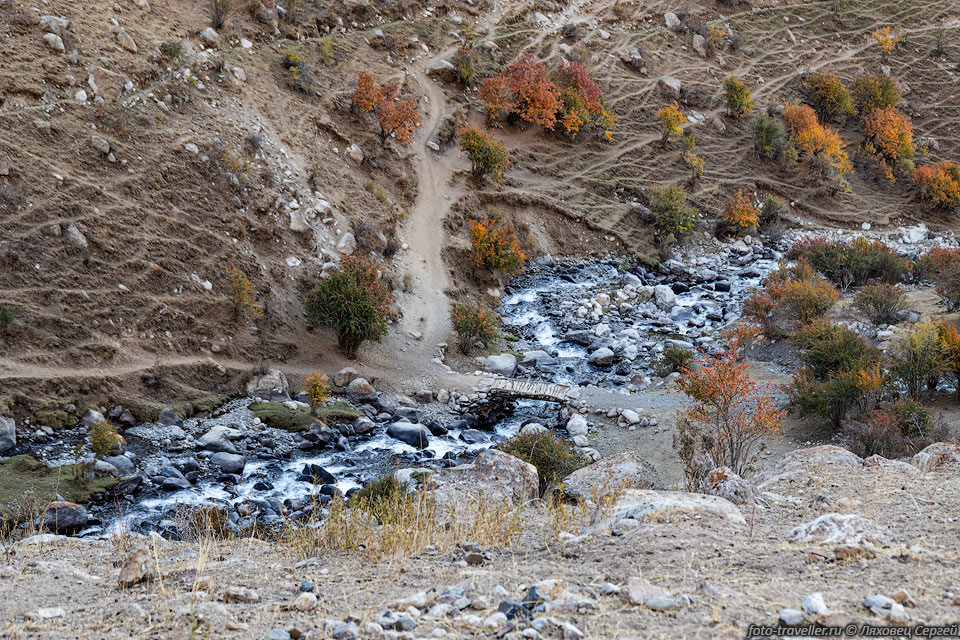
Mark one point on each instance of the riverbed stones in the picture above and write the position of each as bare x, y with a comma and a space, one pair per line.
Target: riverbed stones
609, 475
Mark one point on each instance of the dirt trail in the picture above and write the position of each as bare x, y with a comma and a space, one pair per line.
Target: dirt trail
426, 308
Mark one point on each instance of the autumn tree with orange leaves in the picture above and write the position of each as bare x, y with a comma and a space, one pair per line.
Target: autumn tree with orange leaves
524, 89
730, 416
889, 143
582, 100
821, 145
940, 184
397, 116
671, 123
741, 211
891, 132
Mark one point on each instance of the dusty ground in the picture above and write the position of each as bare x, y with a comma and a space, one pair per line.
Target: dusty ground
160, 216
735, 574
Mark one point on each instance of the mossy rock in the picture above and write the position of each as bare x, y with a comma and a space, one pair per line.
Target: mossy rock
23, 473
56, 418
279, 416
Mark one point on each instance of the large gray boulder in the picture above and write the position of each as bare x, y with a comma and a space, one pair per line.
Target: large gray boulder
602, 357
504, 364
228, 462
123, 464
8, 434
644, 505
91, 417
415, 435
218, 439
496, 476
664, 297
65, 517
610, 475
359, 390
271, 386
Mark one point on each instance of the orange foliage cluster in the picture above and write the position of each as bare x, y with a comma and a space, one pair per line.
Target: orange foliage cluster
741, 338
495, 246
886, 39
525, 89
396, 115
671, 120
741, 211
940, 184
891, 132
792, 298
317, 386
817, 140
729, 409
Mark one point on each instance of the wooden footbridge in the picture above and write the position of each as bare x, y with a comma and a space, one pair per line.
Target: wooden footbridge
532, 389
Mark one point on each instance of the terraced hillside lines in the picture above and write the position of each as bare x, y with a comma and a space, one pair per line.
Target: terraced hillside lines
776, 45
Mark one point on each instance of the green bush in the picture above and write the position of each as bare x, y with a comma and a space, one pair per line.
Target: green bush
386, 487
881, 303
772, 211
673, 217
874, 92
471, 322
829, 97
900, 429
771, 141
828, 349
552, 456
675, 358
103, 438
739, 100
793, 297
836, 361
6, 316
918, 359
386, 499
853, 263
354, 302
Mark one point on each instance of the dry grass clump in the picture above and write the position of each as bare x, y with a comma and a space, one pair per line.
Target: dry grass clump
396, 524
